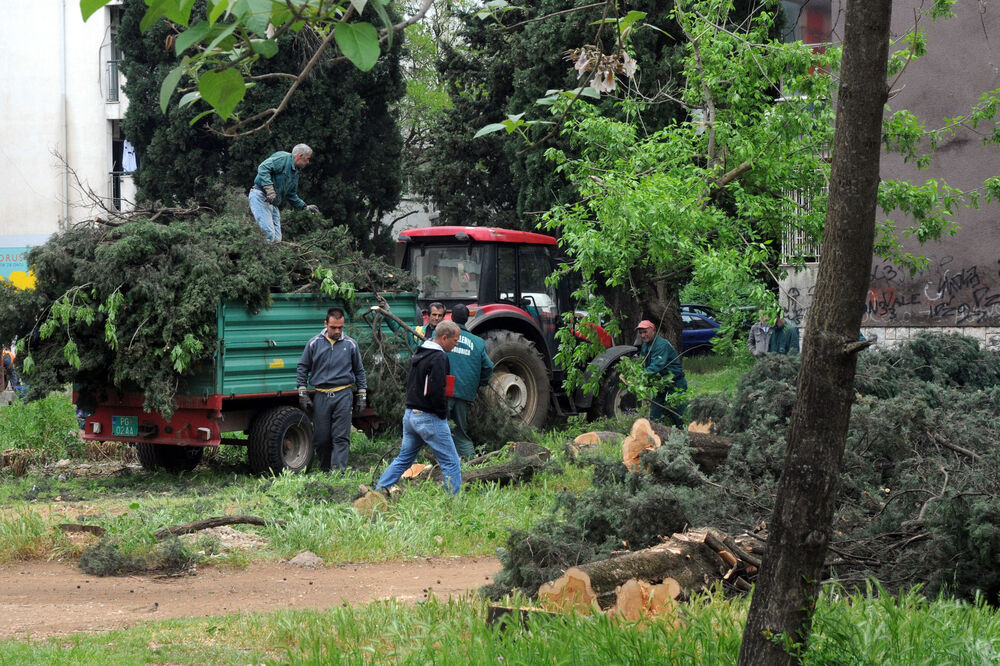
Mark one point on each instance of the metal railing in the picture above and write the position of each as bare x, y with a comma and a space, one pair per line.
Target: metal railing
114, 81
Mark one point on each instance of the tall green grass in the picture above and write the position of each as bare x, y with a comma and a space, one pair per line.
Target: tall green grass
858, 629
47, 425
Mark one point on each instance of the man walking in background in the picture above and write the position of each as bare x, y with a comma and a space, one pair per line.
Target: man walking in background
425, 420
472, 368
331, 362
277, 181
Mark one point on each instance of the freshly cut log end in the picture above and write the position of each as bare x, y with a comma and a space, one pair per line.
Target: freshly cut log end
596, 437
413, 471
631, 599
642, 438
570, 592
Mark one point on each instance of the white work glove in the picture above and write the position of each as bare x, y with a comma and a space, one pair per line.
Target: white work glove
269, 194
313, 208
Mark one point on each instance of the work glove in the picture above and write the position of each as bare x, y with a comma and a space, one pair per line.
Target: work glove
360, 403
305, 402
313, 208
270, 194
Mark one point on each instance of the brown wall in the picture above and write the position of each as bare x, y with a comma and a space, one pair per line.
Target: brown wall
961, 285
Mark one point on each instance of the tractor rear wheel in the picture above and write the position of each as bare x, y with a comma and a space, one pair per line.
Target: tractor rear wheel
280, 438
520, 377
168, 457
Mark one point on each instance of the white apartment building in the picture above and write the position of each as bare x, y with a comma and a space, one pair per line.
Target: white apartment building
60, 116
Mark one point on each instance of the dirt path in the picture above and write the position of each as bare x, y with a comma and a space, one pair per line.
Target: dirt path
41, 599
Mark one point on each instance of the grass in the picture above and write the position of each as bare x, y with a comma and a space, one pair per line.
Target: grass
857, 629
425, 521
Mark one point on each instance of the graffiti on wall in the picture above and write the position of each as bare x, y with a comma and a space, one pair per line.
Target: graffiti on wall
949, 293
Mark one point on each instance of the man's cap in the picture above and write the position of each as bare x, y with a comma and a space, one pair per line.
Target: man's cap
645, 323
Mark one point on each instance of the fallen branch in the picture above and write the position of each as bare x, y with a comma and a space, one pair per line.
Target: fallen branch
208, 523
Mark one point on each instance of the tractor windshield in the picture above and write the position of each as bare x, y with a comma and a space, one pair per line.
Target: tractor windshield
447, 272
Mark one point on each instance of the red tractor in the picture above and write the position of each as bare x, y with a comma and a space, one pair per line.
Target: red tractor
500, 274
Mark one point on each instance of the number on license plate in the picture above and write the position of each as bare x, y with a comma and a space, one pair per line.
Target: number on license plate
124, 426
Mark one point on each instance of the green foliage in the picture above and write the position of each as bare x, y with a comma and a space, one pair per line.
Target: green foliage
342, 113
225, 41
106, 558
47, 425
913, 509
134, 306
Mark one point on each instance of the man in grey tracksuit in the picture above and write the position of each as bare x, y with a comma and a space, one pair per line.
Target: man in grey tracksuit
331, 362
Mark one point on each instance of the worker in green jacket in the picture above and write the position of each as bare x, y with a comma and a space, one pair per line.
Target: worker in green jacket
662, 359
784, 337
277, 181
472, 368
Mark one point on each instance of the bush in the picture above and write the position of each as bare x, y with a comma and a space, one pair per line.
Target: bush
48, 425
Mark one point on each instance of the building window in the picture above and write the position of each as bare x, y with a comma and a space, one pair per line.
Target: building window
114, 56
808, 21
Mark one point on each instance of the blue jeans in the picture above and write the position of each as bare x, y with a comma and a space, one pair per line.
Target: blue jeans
421, 428
267, 216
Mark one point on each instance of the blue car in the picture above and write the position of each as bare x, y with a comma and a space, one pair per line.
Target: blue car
697, 333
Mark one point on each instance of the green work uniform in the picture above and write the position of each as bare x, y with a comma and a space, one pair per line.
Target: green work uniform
661, 359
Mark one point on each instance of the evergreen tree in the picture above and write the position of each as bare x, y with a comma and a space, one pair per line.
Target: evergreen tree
342, 113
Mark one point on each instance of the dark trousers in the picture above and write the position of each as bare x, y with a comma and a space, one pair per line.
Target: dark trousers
659, 411
458, 410
332, 428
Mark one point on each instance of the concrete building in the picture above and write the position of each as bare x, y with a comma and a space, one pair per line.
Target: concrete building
960, 288
59, 124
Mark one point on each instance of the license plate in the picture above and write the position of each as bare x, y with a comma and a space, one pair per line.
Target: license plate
124, 426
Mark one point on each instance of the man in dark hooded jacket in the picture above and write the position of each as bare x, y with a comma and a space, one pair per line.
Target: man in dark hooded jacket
425, 420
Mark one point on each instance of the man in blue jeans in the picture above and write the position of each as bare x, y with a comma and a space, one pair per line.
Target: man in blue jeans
425, 420
277, 181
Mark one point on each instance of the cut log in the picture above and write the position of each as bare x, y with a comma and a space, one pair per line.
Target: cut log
684, 557
642, 438
595, 437
571, 591
630, 599
413, 471
207, 523
516, 469
708, 451
370, 502
663, 597
703, 428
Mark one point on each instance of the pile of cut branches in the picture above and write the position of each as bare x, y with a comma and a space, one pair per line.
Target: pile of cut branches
133, 305
919, 500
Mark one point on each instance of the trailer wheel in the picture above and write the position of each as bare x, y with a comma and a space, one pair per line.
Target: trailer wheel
168, 456
613, 399
520, 377
280, 438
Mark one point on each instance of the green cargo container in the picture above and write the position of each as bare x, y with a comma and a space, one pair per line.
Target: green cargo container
250, 386
258, 352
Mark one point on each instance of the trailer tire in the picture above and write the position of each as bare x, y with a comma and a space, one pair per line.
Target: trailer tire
169, 457
613, 400
520, 377
280, 438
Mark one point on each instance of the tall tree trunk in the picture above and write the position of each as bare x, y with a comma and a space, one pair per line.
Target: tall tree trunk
799, 532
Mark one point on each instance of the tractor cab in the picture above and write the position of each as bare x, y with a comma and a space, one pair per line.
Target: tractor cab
498, 273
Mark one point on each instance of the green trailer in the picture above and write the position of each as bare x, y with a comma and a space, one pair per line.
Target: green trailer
249, 387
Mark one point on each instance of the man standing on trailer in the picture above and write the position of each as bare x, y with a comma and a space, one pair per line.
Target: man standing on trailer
277, 181
331, 362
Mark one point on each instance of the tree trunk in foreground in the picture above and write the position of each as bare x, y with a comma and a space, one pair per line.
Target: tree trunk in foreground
799, 531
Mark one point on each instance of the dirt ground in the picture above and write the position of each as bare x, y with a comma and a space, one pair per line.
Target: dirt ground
41, 599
